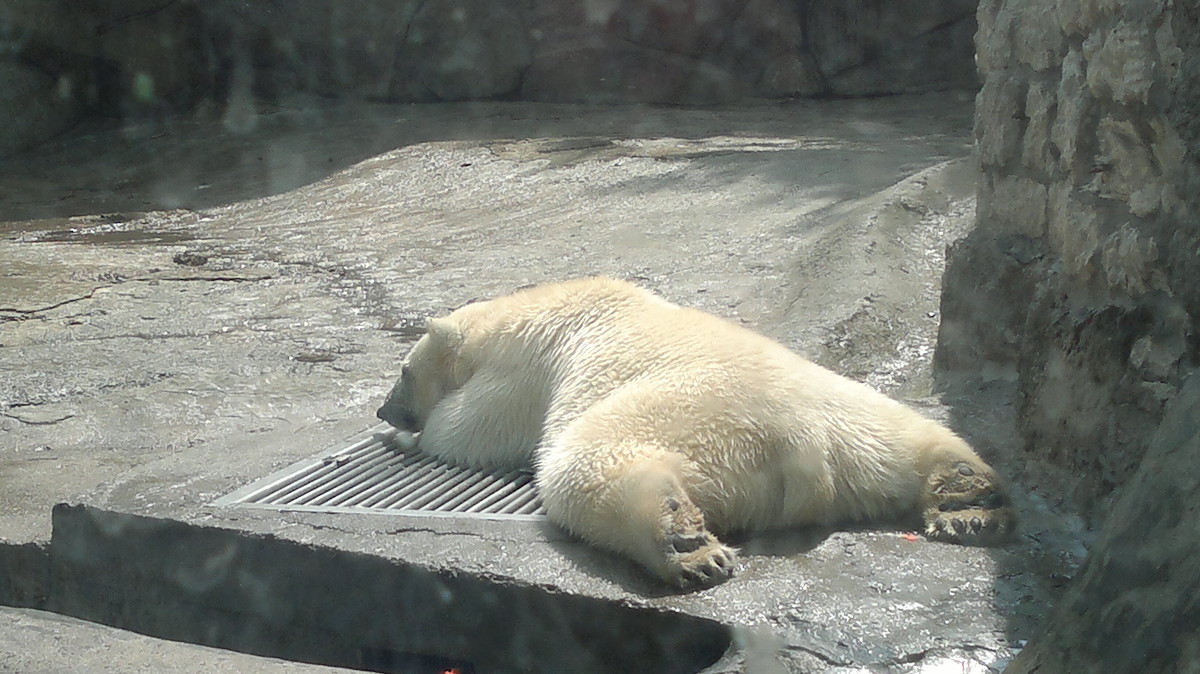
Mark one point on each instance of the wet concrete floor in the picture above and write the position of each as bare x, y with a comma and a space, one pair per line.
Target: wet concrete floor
186, 306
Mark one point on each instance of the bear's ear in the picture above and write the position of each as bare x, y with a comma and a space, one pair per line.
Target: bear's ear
444, 333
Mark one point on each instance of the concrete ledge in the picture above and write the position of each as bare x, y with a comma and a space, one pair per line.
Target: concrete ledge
34, 641
152, 553
265, 595
24, 574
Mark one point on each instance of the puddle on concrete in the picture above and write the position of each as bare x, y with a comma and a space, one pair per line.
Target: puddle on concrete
111, 235
120, 228
120, 237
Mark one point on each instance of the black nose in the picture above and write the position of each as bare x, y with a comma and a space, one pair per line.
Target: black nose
389, 415
399, 418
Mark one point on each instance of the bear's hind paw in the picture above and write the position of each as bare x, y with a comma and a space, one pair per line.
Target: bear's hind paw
971, 526
706, 563
966, 505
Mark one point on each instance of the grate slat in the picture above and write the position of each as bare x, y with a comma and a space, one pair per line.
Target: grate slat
356, 471
373, 474
387, 484
291, 493
367, 486
501, 497
463, 490
419, 473
485, 485
427, 490
525, 503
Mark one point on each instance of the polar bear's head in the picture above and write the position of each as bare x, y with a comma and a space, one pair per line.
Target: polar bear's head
431, 371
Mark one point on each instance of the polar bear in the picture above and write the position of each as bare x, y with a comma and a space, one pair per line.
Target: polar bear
653, 428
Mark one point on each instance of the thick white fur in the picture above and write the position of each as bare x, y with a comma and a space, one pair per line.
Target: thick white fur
623, 402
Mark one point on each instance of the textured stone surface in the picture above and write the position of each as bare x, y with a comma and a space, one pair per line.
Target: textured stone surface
1133, 607
1079, 281
44, 71
882, 46
1079, 286
38, 642
277, 597
24, 574
150, 58
156, 59
691, 51
595, 69
464, 50
33, 106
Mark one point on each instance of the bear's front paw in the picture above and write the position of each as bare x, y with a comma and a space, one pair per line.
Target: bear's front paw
965, 504
694, 558
700, 560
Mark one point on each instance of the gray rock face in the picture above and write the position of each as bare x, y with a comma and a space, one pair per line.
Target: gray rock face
43, 78
1133, 606
33, 106
1079, 282
590, 70
146, 59
697, 51
40, 641
155, 58
876, 46
465, 50
1079, 285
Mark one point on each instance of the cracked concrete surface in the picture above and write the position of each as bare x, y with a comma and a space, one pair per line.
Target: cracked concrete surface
85, 648
185, 309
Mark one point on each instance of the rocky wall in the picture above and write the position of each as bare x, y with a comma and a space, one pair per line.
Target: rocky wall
152, 57
1135, 604
43, 76
1080, 283
1080, 286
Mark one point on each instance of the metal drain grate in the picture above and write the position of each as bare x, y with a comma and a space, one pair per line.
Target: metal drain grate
375, 475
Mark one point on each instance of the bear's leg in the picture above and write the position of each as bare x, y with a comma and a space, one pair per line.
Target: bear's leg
963, 501
484, 424
639, 509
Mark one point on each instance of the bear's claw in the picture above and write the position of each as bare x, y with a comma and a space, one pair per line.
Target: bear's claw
695, 558
966, 505
706, 566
